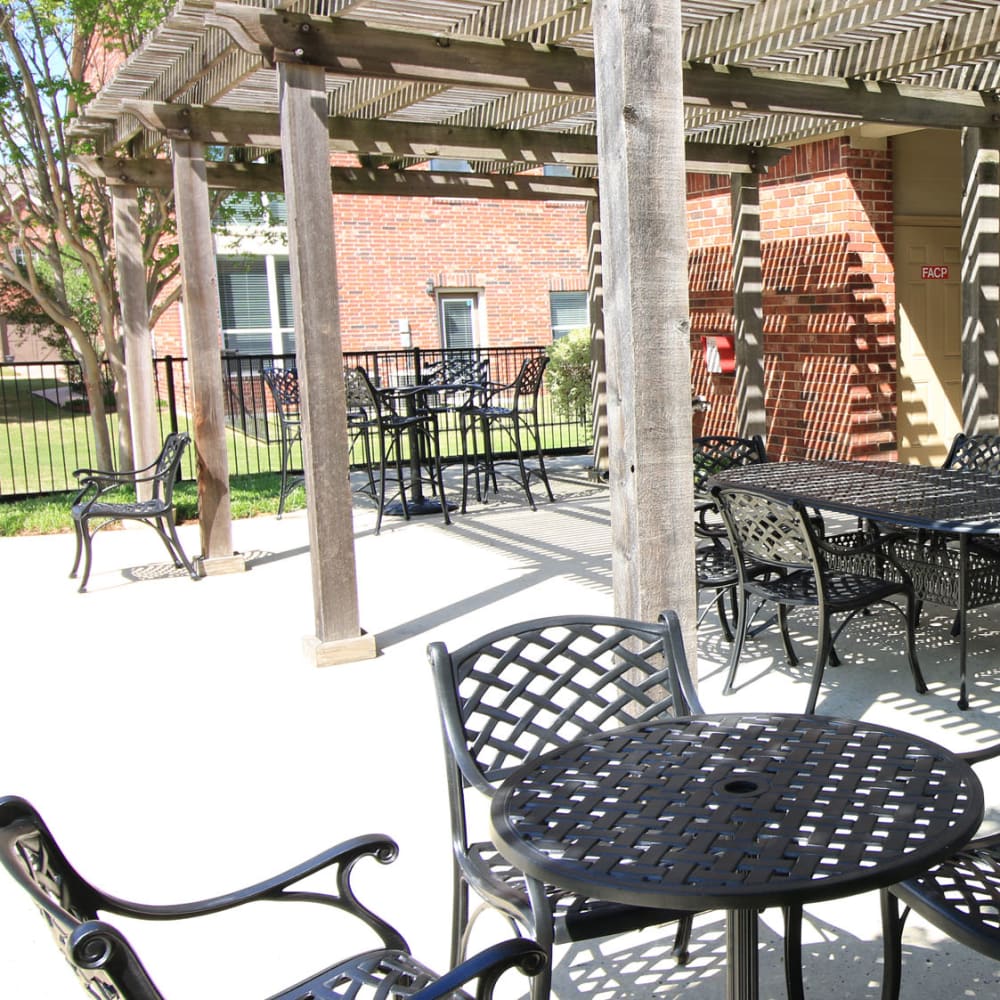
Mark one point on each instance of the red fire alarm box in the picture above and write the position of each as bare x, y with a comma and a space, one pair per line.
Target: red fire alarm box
720, 354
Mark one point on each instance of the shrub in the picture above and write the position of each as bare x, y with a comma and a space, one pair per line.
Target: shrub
567, 375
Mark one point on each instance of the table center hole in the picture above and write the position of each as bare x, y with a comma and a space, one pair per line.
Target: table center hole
741, 786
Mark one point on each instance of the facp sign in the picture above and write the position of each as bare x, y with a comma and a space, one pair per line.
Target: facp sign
930, 272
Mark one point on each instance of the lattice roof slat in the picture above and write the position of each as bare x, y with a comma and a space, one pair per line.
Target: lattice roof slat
932, 44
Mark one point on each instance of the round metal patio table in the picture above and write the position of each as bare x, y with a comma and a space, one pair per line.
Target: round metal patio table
736, 812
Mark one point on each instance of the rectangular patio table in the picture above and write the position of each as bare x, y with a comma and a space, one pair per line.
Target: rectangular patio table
962, 503
736, 812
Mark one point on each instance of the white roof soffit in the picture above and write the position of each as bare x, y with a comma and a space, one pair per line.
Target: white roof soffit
757, 72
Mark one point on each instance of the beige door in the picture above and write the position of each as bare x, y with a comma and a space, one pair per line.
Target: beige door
929, 304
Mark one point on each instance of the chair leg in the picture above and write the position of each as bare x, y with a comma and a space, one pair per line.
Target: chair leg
892, 945
87, 536
742, 623
791, 658
284, 473
459, 916
542, 473
79, 547
464, 429
516, 434
912, 613
823, 646
682, 939
180, 557
720, 603
793, 952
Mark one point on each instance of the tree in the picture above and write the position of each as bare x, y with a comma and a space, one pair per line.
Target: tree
56, 221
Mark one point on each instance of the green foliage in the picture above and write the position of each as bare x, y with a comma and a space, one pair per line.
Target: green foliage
567, 375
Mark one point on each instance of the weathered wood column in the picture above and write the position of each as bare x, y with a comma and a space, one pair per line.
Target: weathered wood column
305, 147
202, 324
748, 306
980, 281
647, 328
139, 374
598, 360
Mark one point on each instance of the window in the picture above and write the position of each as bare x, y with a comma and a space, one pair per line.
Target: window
459, 319
569, 311
451, 166
255, 296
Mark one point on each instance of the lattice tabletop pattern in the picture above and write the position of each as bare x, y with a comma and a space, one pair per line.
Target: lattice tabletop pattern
917, 496
737, 811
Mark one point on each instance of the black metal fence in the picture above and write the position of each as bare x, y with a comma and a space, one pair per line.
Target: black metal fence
46, 431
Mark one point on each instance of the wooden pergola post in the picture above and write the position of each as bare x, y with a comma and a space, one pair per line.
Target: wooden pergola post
640, 120
598, 360
305, 146
202, 325
748, 306
139, 373
981, 281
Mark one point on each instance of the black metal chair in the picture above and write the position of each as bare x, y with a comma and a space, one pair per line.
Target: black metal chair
511, 411
960, 896
826, 573
284, 386
468, 372
932, 558
511, 695
715, 565
101, 501
109, 968
398, 434
362, 423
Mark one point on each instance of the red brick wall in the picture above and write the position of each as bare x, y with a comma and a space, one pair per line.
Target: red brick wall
512, 252
829, 301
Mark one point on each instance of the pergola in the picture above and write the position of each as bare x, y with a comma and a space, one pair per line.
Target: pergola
630, 94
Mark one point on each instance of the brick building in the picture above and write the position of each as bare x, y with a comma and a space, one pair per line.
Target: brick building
427, 272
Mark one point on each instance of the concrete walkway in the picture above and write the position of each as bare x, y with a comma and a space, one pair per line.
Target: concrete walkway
179, 746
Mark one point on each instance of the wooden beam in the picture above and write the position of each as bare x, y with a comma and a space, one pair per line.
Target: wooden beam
853, 100
142, 401
748, 306
352, 49
352, 180
202, 323
325, 448
360, 136
981, 281
647, 324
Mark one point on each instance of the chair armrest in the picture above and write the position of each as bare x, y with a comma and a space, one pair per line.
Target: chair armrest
345, 855
487, 967
978, 756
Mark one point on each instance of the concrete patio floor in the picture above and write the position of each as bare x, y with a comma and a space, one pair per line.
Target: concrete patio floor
179, 746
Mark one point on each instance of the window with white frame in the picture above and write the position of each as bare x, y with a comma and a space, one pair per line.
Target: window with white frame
255, 297
568, 311
459, 316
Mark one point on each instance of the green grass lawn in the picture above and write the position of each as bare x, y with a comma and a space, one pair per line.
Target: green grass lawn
250, 496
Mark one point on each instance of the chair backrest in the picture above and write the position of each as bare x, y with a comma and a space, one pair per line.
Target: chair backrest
361, 401
284, 386
715, 453
534, 686
974, 453
529, 382
457, 369
102, 958
764, 530
168, 465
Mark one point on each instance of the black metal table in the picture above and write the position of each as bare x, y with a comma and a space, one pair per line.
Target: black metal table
736, 812
959, 502
419, 503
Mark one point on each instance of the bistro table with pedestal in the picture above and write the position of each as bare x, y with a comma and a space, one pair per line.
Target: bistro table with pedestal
737, 812
959, 504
